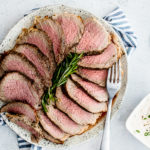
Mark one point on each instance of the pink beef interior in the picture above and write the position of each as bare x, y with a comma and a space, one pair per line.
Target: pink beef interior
31, 56
24, 93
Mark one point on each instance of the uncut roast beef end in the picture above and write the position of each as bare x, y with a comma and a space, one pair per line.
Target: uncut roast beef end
84, 100
64, 122
54, 32
72, 26
15, 87
20, 108
104, 60
75, 112
51, 128
16, 62
97, 92
40, 61
96, 76
95, 37
39, 39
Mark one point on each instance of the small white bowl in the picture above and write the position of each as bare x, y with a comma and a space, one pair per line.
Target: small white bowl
138, 123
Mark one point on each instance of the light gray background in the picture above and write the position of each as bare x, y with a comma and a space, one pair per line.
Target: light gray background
138, 13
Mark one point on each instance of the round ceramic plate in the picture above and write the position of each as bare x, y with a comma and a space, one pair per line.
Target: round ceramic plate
10, 41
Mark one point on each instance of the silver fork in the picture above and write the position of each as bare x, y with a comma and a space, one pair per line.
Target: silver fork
113, 86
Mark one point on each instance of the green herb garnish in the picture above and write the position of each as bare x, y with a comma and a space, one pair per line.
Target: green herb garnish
138, 131
148, 116
63, 71
144, 118
147, 134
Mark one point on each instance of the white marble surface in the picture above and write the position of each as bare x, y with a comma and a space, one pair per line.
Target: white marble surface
138, 12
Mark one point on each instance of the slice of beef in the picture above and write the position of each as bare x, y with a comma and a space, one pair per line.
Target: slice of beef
75, 112
104, 60
51, 128
16, 62
20, 108
97, 92
15, 87
25, 123
79, 96
36, 131
64, 122
95, 37
96, 76
39, 39
72, 27
39, 60
54, 32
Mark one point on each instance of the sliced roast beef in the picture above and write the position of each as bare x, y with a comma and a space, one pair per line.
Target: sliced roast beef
64, 122
16, 62
15, 87
104, 60
95, 37
96, 76
20, 108
79, 96
72, 27
54, 32
51, 128
97, 92
74, 111
39, 60
32, 127
25, 123
39, 39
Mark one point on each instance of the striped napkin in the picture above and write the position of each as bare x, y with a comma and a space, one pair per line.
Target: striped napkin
119, 22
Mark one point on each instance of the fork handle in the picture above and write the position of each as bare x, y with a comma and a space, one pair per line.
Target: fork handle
105, 143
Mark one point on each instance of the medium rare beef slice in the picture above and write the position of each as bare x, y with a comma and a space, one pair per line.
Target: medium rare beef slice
72, 27
39, 60
39, 39
51, 128
64, 122
97, 92
104, 60
95, 37
84, 100
15, 87
96, 76
16, 62
54, 32
75, 112
20, 108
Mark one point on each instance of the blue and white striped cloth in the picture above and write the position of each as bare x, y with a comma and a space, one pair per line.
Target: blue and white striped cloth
119, 22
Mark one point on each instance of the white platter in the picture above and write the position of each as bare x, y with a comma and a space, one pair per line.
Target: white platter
9, 42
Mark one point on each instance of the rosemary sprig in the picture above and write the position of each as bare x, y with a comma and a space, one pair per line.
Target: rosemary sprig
63, 71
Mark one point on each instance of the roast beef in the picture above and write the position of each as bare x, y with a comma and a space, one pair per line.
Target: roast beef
20, 108
104, 60
25, 123
96, 76
64, 122
39, 60
97, 92
75, 112
39, 39
32, 127
72, 27
84, 100
54, 32
16, 62
15, 87
95, 37
51, 128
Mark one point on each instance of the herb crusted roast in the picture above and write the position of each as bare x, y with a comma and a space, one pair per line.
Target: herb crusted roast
54, 79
